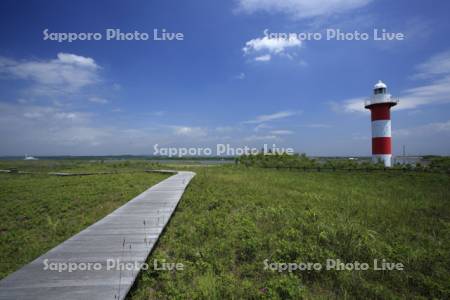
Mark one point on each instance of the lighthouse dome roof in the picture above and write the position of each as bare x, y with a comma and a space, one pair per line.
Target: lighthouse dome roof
379, 85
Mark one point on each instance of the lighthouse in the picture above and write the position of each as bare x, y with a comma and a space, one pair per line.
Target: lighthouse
380, 109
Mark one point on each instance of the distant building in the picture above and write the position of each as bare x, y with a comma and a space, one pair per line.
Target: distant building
29, 157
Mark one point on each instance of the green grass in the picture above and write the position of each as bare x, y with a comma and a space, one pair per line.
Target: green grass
79, 165
39, 211
231, 219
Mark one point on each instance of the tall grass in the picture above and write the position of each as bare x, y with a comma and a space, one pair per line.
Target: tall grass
231, 219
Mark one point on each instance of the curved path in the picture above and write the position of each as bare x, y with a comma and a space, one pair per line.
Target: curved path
127, 235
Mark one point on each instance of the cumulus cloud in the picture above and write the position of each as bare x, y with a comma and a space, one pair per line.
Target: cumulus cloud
266, 57
272, 45
66, 73
300, 9
68, 58
264, 48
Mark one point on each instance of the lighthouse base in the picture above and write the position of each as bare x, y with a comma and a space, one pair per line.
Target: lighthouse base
386, 159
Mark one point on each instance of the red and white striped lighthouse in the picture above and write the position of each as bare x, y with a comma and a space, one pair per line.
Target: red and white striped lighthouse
380, 108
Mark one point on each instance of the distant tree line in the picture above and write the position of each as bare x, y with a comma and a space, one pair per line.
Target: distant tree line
301, 161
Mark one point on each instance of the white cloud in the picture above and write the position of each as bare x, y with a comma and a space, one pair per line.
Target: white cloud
73, 59
29, 126
265, 48
271, 117
66, 73
190, 131
437, 65
261, 126
225, 129
435, 92
98, 100
87, 136
51, 130
439, 127
272, 45
360, 137
349, 106
24, 101
240, 76
300, 8
318, 125
266, 57
254, 138
281, 132
424, 130
38, 114
71, 116
436, 89
159, 113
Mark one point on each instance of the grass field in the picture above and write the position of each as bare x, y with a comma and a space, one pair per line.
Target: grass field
232, 219
38, 212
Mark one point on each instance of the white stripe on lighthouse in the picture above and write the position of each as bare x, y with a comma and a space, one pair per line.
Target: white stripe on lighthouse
384, 158
381, 128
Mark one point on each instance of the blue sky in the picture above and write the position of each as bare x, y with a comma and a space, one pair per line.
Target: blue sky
224, 83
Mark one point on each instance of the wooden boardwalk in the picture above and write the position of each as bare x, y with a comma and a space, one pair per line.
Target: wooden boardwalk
127, 235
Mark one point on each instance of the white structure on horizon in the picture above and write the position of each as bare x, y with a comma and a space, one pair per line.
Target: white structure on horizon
29, 157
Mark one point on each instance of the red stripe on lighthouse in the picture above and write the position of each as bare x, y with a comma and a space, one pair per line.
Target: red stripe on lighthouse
381, 145
381, 112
